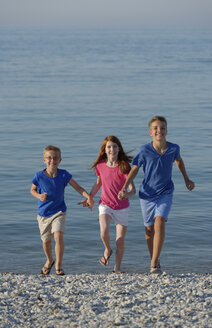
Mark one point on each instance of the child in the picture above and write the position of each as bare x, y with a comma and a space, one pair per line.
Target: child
112, 167
48, 187
157, 187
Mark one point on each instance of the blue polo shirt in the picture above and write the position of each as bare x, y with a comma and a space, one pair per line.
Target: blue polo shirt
157, 170
54, 187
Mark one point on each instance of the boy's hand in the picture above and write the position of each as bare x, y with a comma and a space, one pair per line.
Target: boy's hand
190, 185
84, 203
43, 196
122, 194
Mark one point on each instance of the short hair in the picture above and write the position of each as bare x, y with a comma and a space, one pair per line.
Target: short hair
52, 148
157, 118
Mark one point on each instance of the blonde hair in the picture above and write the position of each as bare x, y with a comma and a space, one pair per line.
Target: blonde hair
123, 159
157, 118
52, 148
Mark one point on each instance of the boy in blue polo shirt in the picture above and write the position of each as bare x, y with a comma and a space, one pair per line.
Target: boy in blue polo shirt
156, 190
48, 187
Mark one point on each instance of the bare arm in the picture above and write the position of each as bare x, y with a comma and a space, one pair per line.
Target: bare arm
94, 190
82, 192
129, 193
97, 185
35, 194
180, 164
129, 183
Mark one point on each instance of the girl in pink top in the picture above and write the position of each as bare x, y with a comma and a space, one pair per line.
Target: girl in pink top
112, 167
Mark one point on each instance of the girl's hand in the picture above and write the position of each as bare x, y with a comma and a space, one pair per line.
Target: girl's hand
122, 194
43, 197
89, 202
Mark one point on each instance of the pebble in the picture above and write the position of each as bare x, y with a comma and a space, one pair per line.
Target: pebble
106, 300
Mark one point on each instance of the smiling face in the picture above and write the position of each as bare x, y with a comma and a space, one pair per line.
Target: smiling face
52, 160
158, 131
112, 150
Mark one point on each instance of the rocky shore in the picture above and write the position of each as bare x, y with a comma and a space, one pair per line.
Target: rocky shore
106, 300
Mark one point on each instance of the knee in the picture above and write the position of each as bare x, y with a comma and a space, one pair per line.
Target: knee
159, 222
58, 237
104, 234
149, 232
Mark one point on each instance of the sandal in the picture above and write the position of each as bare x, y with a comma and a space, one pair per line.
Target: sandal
60, 272
46, 270
105, 260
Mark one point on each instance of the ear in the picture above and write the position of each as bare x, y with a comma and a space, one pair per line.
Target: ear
150, 132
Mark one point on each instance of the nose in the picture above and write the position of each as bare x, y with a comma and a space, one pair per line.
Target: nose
113, 149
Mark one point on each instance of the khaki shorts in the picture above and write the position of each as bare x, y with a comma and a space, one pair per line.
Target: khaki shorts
50, 225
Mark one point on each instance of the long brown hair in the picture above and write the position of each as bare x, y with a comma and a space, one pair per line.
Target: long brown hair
124, 160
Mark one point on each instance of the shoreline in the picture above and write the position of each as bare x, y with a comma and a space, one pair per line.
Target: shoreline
106, 300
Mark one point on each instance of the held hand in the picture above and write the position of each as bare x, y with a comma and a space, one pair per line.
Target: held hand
84, 203
122, 194
190, 185
87, 203
43, 196
90, 203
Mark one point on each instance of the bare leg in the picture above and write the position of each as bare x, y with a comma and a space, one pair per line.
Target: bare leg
149, 235
59, 249
104, 222
158, 240
120, 239
47, 247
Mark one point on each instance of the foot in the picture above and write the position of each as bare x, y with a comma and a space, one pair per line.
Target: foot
158, 265
60, 272
118, 272
157, 268
105, 260
46, 270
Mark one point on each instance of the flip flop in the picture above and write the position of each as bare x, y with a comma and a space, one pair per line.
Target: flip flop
45, 270
105, 261
62, 273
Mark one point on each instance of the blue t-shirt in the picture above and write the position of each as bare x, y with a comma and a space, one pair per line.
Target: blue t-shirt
157, 170
54, 187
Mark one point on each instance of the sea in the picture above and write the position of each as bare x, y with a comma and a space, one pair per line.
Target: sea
73, 87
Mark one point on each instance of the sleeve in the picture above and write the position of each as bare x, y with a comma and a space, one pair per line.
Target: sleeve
177, 152
67, 177
97, 170
138, 159
35, 180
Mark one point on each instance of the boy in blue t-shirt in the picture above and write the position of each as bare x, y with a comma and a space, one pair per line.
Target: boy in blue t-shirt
48, 187
157, 188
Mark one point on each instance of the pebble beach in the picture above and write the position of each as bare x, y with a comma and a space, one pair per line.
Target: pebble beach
106, 300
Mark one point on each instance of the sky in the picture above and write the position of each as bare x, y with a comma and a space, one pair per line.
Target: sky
105, 13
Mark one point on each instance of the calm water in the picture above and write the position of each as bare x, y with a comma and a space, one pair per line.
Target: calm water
71, 88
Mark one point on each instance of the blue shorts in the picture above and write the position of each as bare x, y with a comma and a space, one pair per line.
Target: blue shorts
158, 206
